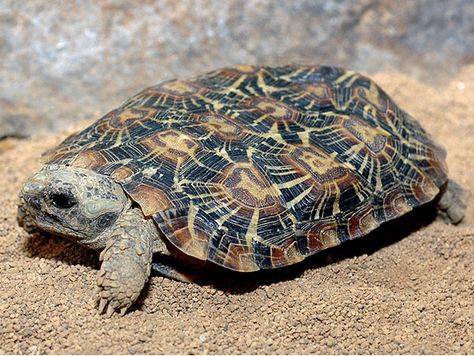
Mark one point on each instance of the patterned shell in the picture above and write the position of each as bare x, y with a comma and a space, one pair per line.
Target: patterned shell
259, 167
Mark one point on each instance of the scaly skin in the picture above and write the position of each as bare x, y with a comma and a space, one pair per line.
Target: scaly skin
93, 210
126, 262
452, 207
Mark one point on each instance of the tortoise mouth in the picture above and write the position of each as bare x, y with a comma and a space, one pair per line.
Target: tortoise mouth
25, 220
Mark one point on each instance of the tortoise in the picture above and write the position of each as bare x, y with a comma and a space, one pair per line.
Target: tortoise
249, 167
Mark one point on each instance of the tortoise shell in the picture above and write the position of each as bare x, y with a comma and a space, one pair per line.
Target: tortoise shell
259, 167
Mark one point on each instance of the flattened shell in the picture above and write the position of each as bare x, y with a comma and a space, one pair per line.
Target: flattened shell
259, 167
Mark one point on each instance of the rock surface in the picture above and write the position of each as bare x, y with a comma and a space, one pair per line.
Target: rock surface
64, 61
403, 290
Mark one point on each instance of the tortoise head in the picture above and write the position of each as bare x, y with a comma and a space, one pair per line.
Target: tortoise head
73, 202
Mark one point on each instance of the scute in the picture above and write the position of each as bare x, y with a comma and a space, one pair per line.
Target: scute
259, 167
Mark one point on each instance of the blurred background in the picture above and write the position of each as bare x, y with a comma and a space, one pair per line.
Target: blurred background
64, 61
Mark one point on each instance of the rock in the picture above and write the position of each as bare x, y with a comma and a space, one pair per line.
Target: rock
77, 60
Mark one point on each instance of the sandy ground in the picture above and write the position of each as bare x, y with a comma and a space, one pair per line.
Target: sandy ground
407, 288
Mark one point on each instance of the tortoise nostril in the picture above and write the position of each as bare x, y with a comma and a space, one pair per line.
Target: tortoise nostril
63, 200
35, 203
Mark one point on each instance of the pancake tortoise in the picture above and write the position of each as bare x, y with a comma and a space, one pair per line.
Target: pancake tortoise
247, 167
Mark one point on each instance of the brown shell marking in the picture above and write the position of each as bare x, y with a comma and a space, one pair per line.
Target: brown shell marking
374, 138
271, 114
248, 187
178, 88
287, 254
321, 166
362, 222
395, 204
89, 159
238, 258
122, 119
174, 146
183, 233
321, 94
222, 126
323, 235
151, 199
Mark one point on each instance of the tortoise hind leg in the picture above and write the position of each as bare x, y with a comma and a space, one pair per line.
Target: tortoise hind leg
165, 270
167, 257
451, 205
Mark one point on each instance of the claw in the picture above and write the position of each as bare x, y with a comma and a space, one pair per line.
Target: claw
110, 311
123, 311
110, 307
102, 305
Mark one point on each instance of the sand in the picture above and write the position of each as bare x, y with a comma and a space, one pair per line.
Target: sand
408, 288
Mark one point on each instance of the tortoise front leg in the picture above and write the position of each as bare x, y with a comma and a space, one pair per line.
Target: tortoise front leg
126, 262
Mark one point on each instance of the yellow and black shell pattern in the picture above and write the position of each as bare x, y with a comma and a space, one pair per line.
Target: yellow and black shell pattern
259, 167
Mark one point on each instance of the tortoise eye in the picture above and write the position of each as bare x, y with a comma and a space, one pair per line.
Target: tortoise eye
63, 200
106, 220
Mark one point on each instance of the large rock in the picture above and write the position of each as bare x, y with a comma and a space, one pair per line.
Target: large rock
72, 60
